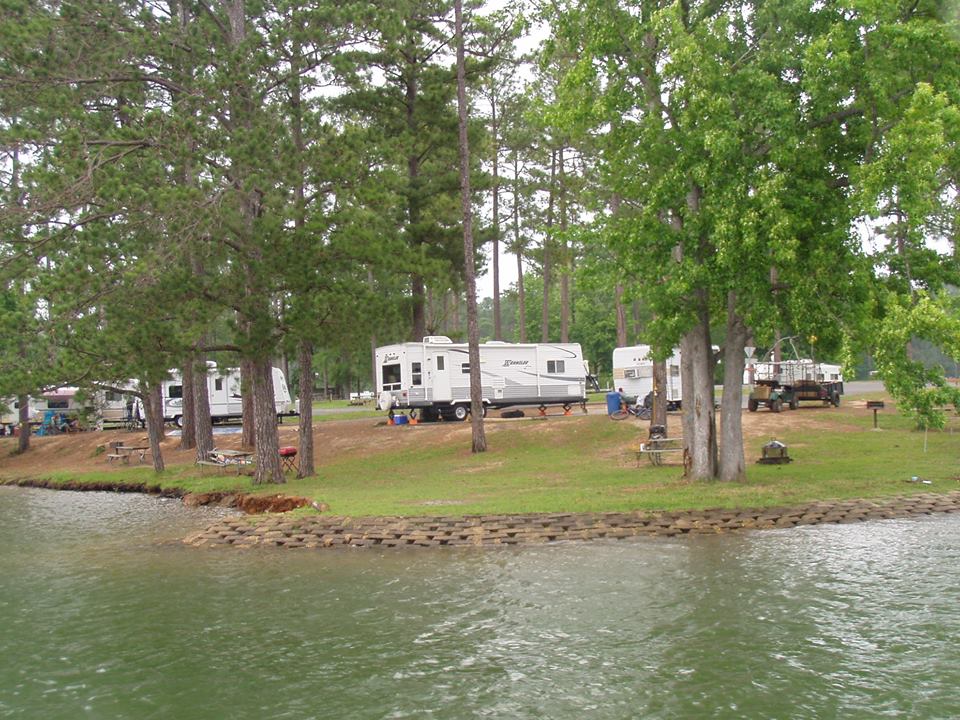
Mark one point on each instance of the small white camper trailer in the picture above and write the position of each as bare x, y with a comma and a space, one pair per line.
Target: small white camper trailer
633, 372
433, 376
223, 388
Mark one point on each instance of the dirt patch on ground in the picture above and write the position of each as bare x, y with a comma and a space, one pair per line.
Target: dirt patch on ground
335, 440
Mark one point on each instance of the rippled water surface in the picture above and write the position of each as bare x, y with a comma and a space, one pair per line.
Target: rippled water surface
103, 617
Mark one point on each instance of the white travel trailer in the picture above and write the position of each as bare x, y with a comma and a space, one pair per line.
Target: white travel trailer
433, 376
633, 372
223, 388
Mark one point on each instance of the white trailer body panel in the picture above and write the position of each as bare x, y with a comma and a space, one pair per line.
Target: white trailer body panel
436, 373
223, 390
633, 373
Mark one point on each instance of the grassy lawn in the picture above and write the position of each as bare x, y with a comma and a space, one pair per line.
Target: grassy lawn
587, 463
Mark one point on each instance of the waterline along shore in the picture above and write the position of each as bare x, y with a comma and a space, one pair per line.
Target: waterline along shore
498, 530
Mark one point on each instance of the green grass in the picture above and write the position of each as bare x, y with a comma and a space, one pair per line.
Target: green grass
581, 464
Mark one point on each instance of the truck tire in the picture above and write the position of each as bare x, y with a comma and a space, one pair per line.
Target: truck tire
752, 405
460, 412
835, 399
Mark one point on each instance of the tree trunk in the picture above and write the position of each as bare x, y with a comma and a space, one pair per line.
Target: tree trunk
732, 463
305, 452
479, 438
203, 422
545, 314
494, 131
518, 248
153, 410
188, 438
247, 438
700, 439
659, 414
267, 441
621, 315
566, 268
23, 441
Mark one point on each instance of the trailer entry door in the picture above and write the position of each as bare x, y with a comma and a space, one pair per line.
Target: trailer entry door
441, 377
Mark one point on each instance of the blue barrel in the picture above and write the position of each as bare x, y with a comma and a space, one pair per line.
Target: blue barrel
400, 419
613, 402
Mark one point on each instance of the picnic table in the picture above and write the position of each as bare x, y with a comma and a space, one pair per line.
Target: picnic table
125, 452
656, 447
227, 459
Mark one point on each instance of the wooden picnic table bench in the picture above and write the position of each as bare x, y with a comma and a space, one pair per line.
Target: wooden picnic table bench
124, 452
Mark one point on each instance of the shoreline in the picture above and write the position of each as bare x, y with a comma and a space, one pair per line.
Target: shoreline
541, 528
329, 531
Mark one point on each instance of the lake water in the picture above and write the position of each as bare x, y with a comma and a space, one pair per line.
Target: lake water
105, 616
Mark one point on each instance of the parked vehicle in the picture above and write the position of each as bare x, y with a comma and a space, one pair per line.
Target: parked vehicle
223, 389
790, 381
633, 374
433, 377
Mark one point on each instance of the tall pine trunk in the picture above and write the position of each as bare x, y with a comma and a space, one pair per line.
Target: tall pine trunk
479, 438
267, 441
153, 410
305, 453
494, 131
23, 441
248, 437
547, 239
202, 419
518, 247
188, 437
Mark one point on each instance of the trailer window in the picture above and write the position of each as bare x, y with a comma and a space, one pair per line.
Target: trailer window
391, 377
58, 404
555, 366
176, 391
218, 384
465, 368
417, 374
440, 362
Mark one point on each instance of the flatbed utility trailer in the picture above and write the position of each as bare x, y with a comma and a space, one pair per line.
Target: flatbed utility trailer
789, 382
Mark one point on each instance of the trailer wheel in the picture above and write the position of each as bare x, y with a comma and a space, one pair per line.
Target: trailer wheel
835, 399
178, 421
460, 412
752, 405
776, 405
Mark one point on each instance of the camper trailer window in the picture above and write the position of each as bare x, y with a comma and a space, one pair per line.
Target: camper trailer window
218, 384
176, 391
555, 366
391, 377
440, 362
58, 404
465, 368
113, 396
415, 370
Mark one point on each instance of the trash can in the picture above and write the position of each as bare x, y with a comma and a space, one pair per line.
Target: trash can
613, 403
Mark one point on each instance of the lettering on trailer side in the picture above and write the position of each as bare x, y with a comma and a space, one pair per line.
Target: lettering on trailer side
508, 363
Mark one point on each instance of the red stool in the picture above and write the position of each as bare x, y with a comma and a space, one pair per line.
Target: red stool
288, 458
